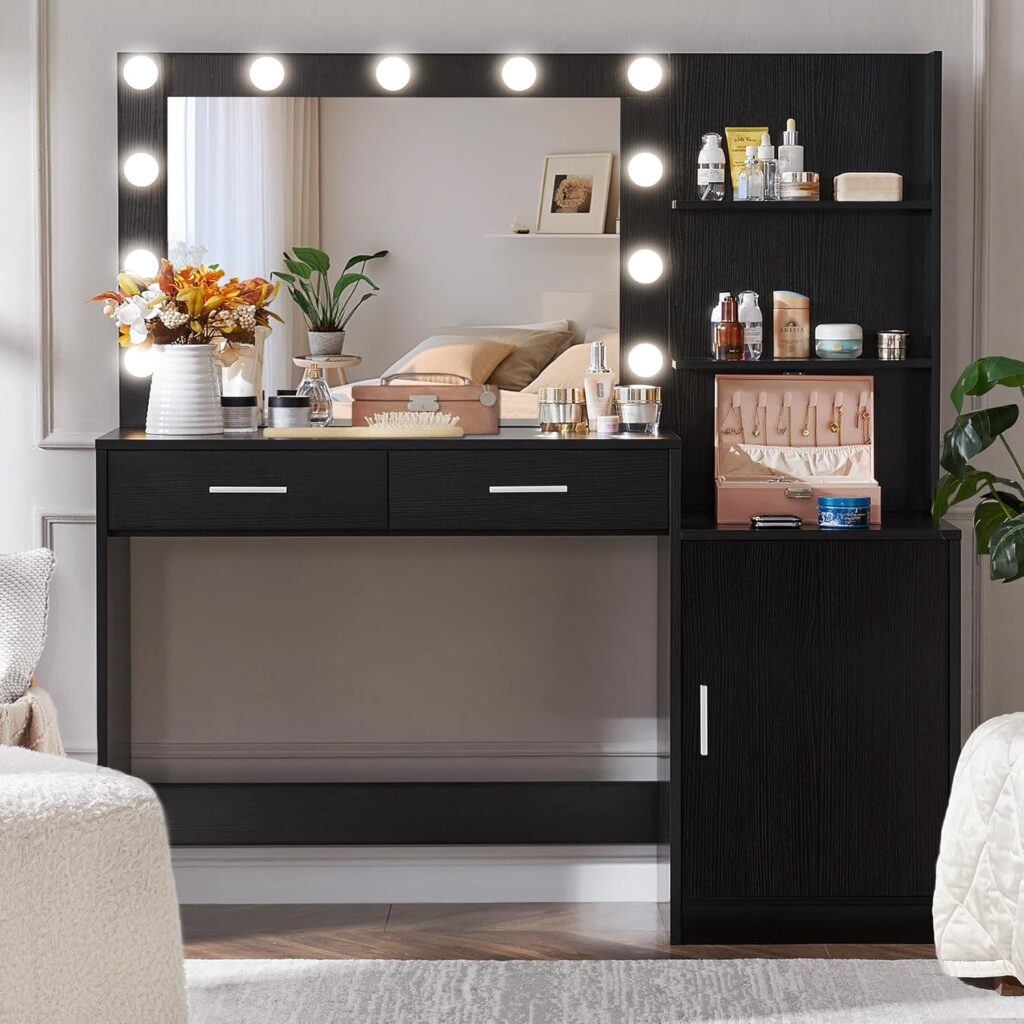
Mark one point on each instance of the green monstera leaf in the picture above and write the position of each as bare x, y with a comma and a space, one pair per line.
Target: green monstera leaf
971, 434
984, 374
1006, 550
951, 490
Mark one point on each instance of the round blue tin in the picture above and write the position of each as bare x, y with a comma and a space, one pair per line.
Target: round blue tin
844, 513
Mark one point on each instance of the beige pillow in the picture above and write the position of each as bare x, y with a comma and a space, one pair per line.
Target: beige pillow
475, 358
568, 369
534, 349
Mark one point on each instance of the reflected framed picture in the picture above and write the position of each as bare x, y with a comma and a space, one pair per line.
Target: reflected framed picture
574, 193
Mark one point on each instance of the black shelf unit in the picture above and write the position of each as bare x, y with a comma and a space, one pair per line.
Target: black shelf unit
816, 726
876, 264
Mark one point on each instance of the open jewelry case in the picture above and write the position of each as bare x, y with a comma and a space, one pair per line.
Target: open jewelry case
783, 441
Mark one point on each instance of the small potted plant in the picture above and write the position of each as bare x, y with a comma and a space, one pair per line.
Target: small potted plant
999, 500
326, 306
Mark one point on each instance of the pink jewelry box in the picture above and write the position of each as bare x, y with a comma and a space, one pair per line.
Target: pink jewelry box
783, 441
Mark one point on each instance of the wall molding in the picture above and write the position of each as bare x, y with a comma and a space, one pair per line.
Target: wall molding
46, 521
445, 749
48, 435
979, 312
420, 874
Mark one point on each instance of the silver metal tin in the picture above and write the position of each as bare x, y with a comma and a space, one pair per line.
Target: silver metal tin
892, 345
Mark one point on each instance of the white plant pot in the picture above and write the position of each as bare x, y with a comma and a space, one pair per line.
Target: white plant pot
326, 343
183, 396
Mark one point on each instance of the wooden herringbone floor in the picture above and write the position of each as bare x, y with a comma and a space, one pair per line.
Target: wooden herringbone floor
479, 931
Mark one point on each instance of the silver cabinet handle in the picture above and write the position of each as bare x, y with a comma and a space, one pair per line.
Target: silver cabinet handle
703, 721
248, 490
530, 489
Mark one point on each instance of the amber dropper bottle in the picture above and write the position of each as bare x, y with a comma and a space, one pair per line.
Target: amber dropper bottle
729, 332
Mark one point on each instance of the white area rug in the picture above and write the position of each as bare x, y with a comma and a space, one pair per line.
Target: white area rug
585, 992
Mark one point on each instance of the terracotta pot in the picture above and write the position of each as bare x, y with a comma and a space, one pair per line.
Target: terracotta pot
326, 343
184, 397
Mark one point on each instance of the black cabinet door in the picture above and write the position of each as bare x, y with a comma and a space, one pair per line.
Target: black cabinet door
827, 717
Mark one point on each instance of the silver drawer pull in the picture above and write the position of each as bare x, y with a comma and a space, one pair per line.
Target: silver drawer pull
703, 721
248, 490
530, 489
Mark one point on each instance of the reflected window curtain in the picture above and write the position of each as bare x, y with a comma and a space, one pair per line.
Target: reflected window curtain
243, 180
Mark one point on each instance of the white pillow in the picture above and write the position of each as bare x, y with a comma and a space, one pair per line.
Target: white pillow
24, 590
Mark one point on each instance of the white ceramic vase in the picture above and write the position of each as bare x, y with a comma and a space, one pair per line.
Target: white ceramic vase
326, 343
183, 395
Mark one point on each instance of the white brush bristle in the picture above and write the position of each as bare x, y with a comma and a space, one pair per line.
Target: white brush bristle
412, 419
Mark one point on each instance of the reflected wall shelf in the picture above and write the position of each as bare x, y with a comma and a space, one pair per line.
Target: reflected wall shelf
556, 234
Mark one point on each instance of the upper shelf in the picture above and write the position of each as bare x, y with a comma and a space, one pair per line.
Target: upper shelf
734, 206
768, 365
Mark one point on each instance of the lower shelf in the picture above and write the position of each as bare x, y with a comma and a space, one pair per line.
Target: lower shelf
416, 813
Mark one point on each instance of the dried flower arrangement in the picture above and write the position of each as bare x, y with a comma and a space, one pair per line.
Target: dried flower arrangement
192, 305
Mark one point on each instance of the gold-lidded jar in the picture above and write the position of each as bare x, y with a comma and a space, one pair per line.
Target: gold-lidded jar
639, 408
561, 410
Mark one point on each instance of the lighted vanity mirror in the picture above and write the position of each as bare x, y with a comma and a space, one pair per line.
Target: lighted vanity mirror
443, 184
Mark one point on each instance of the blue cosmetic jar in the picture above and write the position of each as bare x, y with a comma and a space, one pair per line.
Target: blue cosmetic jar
844, 513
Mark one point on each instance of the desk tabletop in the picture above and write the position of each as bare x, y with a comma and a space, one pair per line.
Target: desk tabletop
506, 438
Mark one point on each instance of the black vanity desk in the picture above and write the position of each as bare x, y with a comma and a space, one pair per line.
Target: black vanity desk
515, 482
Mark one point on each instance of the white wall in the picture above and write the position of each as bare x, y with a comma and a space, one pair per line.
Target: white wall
427, 179
59, 372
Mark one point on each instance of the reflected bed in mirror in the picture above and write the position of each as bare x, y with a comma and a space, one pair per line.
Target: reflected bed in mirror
443, 185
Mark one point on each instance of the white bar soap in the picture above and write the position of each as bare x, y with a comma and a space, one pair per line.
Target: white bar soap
868, 187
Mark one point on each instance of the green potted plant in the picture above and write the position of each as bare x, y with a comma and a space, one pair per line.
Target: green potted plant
326, 306
999, 512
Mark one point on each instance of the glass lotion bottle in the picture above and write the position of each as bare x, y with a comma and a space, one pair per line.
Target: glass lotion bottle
711, 169
597, 384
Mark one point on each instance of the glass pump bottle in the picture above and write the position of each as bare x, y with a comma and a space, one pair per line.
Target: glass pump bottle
751, 178
711, 169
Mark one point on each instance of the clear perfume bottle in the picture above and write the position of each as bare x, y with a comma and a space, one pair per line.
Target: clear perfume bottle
711, 169
769, 167
321, 404
751, 178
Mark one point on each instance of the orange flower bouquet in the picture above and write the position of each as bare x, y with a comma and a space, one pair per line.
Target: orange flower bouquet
193, 305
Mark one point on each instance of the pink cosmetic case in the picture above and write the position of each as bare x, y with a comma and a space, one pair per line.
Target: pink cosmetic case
783, 441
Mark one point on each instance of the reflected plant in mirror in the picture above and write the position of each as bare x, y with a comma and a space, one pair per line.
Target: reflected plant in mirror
327, 307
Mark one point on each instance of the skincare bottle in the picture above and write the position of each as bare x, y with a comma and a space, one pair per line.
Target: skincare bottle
729, 333
597, 384
711, 169
753, 328
716, 319
769, 167
792, 325
791, 154
751, 187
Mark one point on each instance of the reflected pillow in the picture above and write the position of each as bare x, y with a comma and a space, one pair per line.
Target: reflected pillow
568, 369
534, 349
474, 358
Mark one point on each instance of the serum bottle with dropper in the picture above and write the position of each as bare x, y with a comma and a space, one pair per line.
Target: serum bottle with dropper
791, 153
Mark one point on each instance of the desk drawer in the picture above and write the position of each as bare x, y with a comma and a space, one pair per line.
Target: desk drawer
517, 491
220, 491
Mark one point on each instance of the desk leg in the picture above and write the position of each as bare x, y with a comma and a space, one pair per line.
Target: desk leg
113, 637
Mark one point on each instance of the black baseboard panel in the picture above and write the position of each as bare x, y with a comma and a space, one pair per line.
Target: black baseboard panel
426, 813
737, 921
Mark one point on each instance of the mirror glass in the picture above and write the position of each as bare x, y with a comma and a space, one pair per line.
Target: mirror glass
495, 213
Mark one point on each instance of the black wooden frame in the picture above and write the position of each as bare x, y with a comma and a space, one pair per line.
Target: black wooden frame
644, 125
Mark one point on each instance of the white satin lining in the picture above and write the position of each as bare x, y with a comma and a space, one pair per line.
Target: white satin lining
848, 460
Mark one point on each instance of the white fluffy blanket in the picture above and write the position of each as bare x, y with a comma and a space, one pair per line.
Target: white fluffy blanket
978, 909
88, 916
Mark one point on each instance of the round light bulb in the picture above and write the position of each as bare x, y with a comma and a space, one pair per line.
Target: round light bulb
519, 73
645, 170
645, 359
141, 169
266, 73
141, 263
393, 74
139, 360
645, 266
644, 74
140, 71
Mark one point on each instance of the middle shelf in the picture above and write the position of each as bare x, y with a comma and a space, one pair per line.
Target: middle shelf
838, 366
